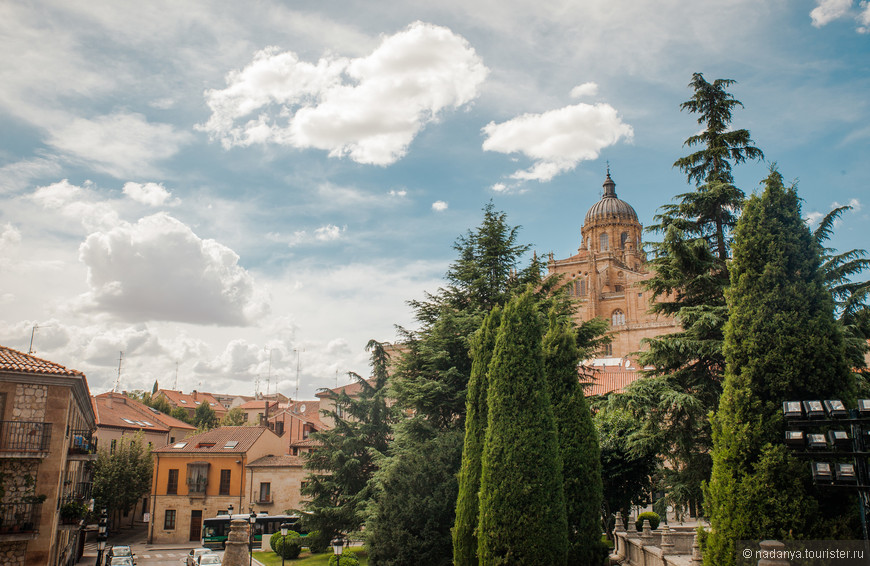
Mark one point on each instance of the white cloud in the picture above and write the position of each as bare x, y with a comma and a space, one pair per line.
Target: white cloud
853, 202
400, 193
864, 18
158, 269
77, 203
152, 194
559, 139
368, 108
813, 218
121, 145
500, 187
586, 89
328, 233
18, 175
439, 206
9, 237
827, 11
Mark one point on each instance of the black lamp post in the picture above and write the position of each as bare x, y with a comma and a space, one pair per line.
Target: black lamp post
230, 510
253, 520
338, 548
102, 536
284, 528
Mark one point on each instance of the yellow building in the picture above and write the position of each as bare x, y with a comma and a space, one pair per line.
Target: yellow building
201, 476
46, 444
607, 274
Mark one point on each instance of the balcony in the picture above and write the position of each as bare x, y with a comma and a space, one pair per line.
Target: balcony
265, 499
79, 492
24, 439
19, 520
82, 443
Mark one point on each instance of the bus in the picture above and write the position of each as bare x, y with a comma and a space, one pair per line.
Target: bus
216, 529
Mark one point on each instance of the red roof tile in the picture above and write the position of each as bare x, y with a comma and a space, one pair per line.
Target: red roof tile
117, 410
281, 461
15, 361
611, 380
244, 436
192, 400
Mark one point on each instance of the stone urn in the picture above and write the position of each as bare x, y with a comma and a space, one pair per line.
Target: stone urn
237, 544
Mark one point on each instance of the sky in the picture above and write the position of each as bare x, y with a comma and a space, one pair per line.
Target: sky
237, 196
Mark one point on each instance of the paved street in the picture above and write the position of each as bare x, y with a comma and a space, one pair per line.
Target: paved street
146, 554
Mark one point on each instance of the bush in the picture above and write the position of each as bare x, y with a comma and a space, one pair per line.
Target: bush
289, 549
316, 543
343, 560
653, 520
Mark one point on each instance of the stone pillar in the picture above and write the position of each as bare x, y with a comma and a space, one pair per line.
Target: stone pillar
646, 535
771, 547
619, 525
667, 544
237, 544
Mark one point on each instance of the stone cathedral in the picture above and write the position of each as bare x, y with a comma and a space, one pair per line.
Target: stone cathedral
606, 275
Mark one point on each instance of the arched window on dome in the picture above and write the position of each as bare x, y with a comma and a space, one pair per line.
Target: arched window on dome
623, 239
605, 244
617, 318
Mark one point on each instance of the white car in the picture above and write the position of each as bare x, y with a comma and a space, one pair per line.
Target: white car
192, 558
209, 559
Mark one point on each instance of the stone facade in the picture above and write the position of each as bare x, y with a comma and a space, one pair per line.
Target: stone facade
607, 273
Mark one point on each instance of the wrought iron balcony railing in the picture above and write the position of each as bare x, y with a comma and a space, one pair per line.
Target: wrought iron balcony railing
82, 442
80, 491
19, 517
24, 436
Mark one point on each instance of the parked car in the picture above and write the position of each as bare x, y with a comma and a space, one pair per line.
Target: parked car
121, 561
120, 550
193, 555
209, 560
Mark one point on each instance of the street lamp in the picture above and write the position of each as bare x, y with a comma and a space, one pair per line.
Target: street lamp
338, 547
284, 528
252, 518
102, 536
230, 510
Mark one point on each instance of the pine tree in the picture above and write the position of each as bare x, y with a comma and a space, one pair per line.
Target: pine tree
578, 444
781, 343
468, 503
691, 274
522, 503
347, 456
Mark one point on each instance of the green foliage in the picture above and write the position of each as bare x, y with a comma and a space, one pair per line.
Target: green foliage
315, 542
467, 505
578, 443
781, 343
122, 478
348, 454
234, 417
521, 479
204, 417
181, 414
344, 560
138, 395
653, 518
162, 405
289, 546
691, 275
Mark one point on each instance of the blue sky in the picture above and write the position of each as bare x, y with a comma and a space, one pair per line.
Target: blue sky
232, 192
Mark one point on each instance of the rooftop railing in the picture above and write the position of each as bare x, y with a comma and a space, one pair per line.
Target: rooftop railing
24, 436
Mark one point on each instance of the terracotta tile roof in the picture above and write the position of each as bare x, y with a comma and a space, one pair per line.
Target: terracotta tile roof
611, 380
281, 461
119, 411
19, 362
259, 404
220, 441
306, 442
311, 415
192, 400
309, 410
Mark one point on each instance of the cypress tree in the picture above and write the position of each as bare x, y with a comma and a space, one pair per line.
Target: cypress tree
522, 504
578, 444
468, 503
781, 343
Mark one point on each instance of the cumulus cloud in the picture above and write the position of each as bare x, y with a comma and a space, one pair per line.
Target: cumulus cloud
9, 237
368, 108
864, 18
158, 269
439, 206
814, 218
559, 139
827, 11
121, 145
401, 193
586, 89
77, 203
327, 233
152, 194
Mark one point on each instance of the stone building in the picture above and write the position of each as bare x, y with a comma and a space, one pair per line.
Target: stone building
46, 445
275, 483
607, 272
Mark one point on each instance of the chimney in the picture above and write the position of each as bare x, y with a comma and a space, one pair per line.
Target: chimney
194, 394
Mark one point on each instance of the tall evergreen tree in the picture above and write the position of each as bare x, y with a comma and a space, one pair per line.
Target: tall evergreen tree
781, 343
348, 453
522, 503
204, 417
691, 274
578, 443
468, 503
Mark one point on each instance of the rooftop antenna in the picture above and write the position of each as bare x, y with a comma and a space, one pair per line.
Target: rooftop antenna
296, 395
269, 375
118, 381
175, 386
32, 332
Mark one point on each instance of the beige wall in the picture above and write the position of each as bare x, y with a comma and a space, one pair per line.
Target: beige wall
285, 485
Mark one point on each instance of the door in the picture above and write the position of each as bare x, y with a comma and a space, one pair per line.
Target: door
195, 525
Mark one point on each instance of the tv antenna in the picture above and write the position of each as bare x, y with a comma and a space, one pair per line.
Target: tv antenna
118, 381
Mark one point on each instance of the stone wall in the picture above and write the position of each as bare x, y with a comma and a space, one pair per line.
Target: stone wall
18, 478
12, 553
29, 402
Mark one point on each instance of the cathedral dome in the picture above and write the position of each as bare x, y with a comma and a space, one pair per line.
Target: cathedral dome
610, 207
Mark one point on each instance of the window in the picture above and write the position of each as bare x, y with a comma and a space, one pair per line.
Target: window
245, 417
623, 238
608, 350
265, 492
169, 520
605, 245
113, 446
617, 318
197, 477
225, 482
172, 483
